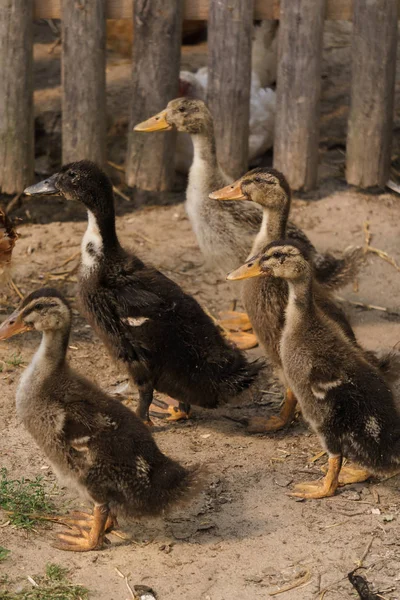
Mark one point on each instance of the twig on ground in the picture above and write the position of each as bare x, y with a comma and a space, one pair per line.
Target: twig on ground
331, 585
295, 584
121, 194
125, 578
367, 306
360, 563
13, 202
381, 253
16, 289
115, 166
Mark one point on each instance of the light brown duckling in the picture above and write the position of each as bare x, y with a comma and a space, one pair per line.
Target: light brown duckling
94, 443
265, 300
343, 397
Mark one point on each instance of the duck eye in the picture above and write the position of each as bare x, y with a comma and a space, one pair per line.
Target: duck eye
181, 109
40, 306
71, 174
258, 179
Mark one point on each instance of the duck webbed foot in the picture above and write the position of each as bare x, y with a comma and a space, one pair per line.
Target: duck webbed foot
275, 423
321, 489
352, 474
172, 410
87, 532
237, 328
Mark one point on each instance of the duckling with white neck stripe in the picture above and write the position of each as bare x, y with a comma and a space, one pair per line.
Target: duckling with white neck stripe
159, 333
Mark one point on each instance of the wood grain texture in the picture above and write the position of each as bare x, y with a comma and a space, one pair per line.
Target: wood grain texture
298, 91
16, 96
155, 76
369, 138
195, 9
83, 81
230, 29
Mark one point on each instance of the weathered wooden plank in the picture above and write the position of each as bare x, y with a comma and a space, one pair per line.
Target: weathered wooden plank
298, 91
374, 46
229, 73
155, 76
16, 96
195, 9
83, 81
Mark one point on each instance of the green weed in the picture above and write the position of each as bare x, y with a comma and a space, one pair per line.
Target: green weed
15, 360
54, 586
23, 498
3, 553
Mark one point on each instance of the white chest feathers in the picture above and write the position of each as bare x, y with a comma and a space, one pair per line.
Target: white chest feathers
92, 245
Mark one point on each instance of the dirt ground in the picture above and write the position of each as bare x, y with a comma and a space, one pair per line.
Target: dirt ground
244, 537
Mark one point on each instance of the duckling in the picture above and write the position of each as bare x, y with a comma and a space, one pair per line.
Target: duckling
159, 333
265, 300
344, 397
224, 232
94, 443
8, 237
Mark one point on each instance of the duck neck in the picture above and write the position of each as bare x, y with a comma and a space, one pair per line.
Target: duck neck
53, 347
99, 240
273, 227
47, 363
204, 151
301, 305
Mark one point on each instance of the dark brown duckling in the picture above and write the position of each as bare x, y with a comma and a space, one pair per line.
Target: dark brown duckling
342, 395
160, 334
93, 442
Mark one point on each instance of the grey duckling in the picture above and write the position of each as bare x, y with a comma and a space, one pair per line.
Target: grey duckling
94, 443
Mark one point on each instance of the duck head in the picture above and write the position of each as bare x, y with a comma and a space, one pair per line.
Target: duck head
183, 114
284, 259
266, 186
83, 181
45, 309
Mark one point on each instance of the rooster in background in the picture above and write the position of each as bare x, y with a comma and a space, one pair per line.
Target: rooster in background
8, 237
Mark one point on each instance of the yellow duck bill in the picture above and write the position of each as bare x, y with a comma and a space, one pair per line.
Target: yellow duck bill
250, 269
230, 192
156, 123
12, 326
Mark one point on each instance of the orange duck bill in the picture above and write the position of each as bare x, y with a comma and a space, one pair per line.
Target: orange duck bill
229, 192
156, 123
250, 269
13, 325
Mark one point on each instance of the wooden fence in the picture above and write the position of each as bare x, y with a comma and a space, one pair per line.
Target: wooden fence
155, 72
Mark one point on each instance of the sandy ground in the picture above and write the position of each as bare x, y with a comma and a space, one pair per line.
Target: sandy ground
243, 537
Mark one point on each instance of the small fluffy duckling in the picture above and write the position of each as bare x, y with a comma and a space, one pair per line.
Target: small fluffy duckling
342, 395
93, 442
159, 333
224, 231
265, 300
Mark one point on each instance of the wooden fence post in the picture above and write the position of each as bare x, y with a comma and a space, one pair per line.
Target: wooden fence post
83, 80
230, 28
155, 75
298, 91
16, 96
374, 48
